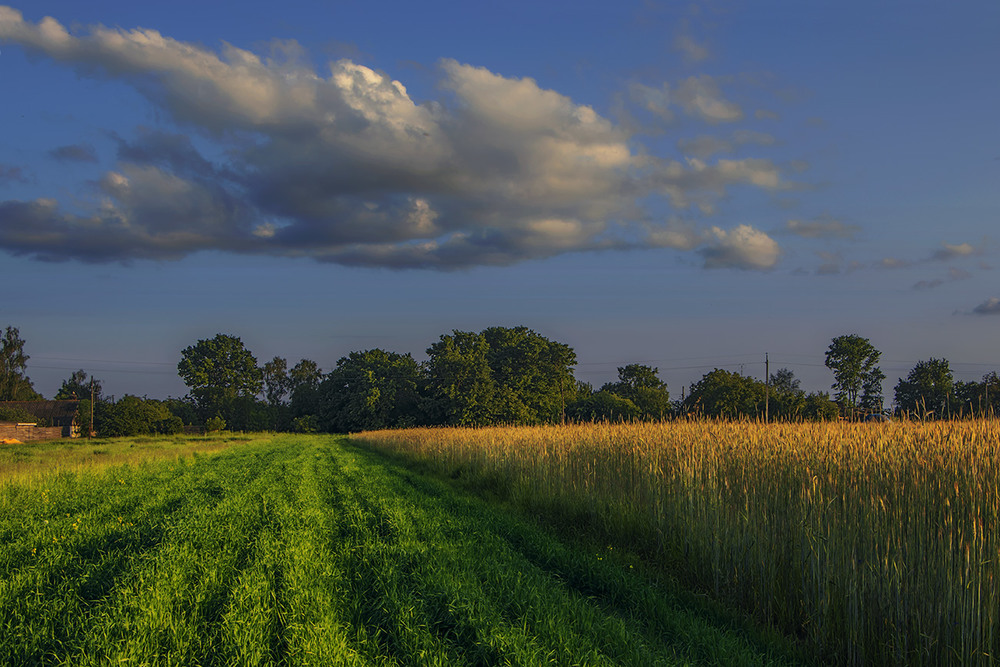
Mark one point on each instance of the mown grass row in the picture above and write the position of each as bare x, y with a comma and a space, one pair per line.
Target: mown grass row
877, 544
307, 551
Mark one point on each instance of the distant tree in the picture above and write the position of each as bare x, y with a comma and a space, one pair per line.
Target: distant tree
14, 384
786, 401
370, 390
78, 387
642, 386
500, 375
858, 379
818, 406
603, 406
460, 383
131, 415
220, 372
533, 375
304, 379
721, 393
277, 384
927, 390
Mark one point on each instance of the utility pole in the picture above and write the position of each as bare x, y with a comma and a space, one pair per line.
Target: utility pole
767, 389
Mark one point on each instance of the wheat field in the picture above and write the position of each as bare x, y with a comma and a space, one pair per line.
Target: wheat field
873, 543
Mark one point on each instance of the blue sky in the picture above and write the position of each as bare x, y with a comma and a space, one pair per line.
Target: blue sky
687, 185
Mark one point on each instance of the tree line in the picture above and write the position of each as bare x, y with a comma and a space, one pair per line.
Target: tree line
499, 375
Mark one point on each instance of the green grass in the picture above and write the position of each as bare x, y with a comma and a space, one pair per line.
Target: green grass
307, 550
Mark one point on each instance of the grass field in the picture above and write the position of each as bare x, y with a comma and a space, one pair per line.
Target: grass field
872, 543
308, 550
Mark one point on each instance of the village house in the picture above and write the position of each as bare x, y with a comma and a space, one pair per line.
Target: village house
57, 419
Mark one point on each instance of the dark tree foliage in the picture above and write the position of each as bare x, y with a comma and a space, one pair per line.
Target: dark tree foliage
303, 380
370, 390
858, 379
79, 387
642, 386
604, 406
223, 378
500, 375
277, 384
131, 415
927, 391
978, 399
14, 384
728, 395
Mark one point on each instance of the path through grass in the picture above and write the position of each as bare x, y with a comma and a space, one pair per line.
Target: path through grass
310, 551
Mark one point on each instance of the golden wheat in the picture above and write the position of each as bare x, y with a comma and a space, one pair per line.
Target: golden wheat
874, 542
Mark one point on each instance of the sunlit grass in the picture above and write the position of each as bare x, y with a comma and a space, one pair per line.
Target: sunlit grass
27, 462
305, 550
877, 543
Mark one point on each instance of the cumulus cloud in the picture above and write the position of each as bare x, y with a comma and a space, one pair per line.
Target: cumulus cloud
74, 153
742, 248
346, 166
948, 251
989, 307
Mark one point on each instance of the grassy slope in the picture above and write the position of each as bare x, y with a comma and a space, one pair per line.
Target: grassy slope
309, 551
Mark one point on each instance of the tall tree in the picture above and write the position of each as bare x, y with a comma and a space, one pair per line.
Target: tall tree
277, 384
79, 387
367, 390
14, 384
857, 376
927, 390
500, 375
222, 375
460, 383
642, 385
721, 393
303, 380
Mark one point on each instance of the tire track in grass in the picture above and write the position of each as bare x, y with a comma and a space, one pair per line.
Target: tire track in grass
536, 582
173, 607
69, 563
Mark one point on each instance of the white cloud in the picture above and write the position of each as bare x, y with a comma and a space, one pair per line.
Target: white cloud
348, 167
701, 97
742, 247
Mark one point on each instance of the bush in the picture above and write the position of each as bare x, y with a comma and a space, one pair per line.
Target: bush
215, 424
172, 425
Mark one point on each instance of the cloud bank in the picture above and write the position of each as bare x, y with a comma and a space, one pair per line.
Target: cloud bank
346, 167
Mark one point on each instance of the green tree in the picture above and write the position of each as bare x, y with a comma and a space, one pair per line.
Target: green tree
303, 380
603, 406
460, 383
131, 415
927, 390
277, 384
533, 375
221, 374
857, 377
79, 387
818, 406
786, 401
642, 386
500, 375
370, 390
14, 384
721, 393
